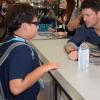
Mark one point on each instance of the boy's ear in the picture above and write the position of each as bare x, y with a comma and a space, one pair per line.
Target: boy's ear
25, 26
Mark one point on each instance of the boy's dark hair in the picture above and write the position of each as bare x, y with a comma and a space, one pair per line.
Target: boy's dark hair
16, 15
93, 4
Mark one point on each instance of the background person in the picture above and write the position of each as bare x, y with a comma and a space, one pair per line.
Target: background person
90, 32
65, 10
76, 19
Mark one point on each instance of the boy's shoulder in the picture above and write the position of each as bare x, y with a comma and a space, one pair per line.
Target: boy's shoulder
5, 51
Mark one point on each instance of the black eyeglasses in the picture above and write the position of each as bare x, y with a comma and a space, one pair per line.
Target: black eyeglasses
35, 23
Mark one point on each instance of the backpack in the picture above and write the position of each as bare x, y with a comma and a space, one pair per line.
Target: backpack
3, 58
10, 48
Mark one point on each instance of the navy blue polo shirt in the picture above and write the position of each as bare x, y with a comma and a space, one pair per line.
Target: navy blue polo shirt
85, 34
19, 63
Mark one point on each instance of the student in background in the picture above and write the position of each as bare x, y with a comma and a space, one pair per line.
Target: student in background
66, 7
90, 32
20, 72
76, 19
72, 19
3, 8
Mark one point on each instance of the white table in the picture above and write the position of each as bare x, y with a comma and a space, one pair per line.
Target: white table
80, 85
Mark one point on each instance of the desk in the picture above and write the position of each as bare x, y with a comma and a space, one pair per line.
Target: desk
80, 85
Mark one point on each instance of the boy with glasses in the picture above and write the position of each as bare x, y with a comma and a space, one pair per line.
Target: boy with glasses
21, 70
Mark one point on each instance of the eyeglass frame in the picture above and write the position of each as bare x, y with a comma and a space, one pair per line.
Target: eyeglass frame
35, 23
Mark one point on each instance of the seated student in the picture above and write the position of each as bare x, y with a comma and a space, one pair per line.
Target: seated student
66, 8
20, 72
3, 8
60, 29
72, 20
90, 32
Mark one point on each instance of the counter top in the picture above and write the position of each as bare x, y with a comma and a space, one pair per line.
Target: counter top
80, 85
